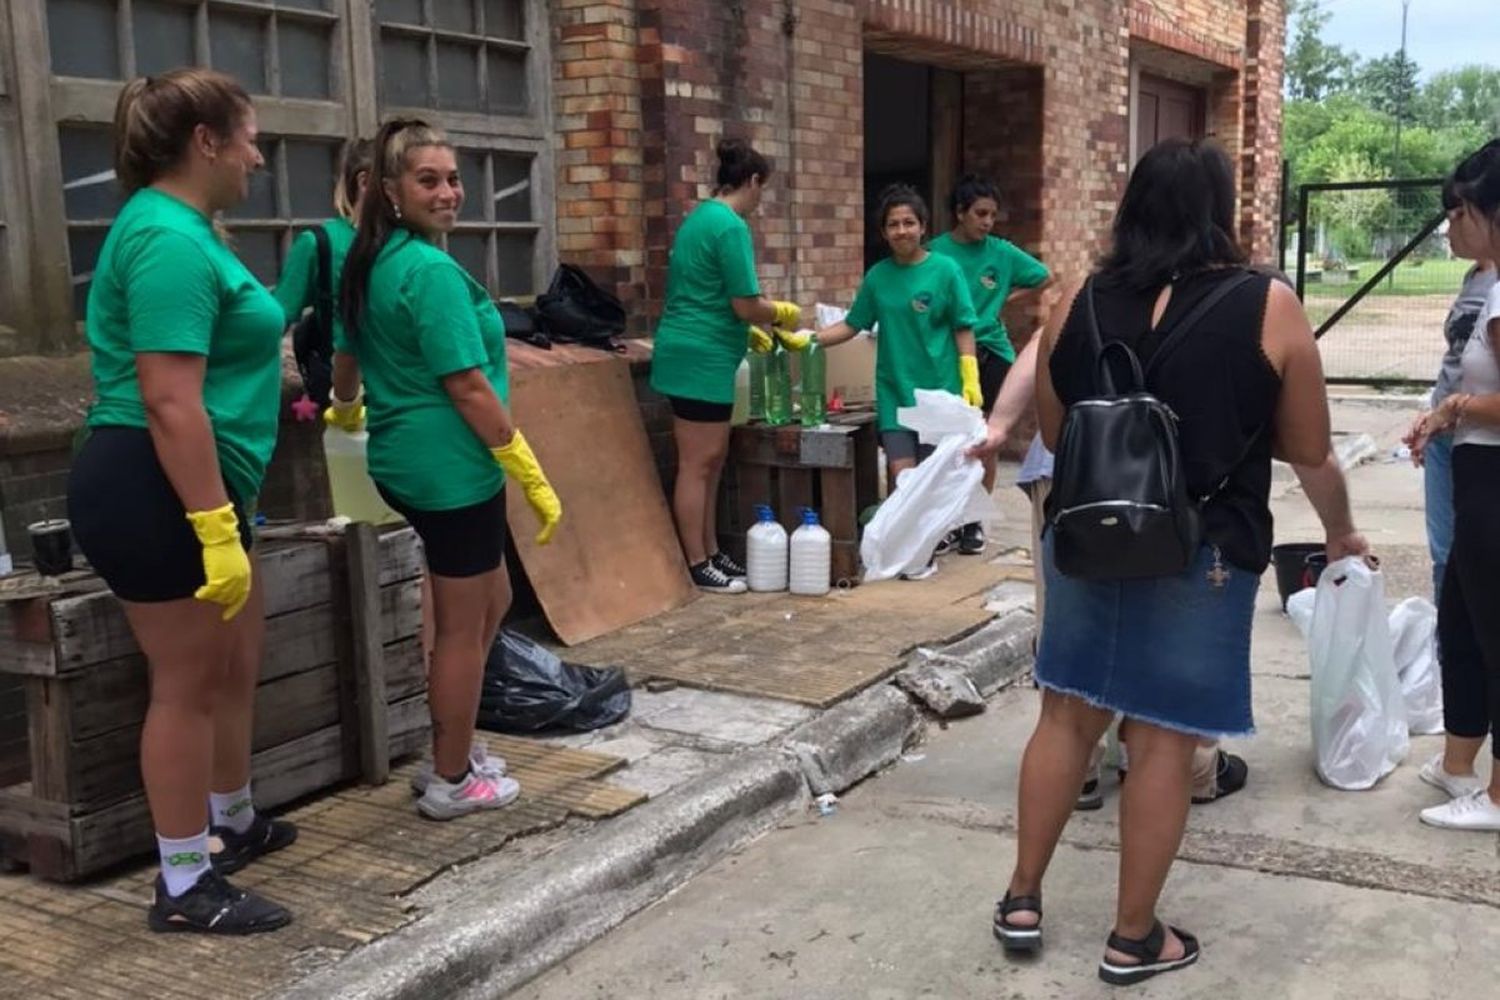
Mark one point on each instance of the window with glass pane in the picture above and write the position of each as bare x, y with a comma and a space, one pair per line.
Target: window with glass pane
294, 189
457, 55
84, 39
496, 239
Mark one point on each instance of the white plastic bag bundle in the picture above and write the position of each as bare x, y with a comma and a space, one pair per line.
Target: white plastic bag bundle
1414, 645
1358, 714
940, 494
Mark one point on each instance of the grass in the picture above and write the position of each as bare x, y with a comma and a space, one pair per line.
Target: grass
1430, 277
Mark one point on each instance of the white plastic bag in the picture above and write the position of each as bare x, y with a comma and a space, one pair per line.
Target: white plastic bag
940, 494
1358, 714
1414, 645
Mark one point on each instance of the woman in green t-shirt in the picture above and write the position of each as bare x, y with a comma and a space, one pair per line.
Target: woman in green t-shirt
186, 358
302, 286
430, 345
999, 274
926, 317
713, 302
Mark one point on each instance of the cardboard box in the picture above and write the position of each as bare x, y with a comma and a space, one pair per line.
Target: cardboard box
851, 370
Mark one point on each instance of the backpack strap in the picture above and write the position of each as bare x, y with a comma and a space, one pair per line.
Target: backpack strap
1178, 331
323, 298
1104, 380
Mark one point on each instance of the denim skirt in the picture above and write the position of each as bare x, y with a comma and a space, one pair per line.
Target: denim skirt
1172, 651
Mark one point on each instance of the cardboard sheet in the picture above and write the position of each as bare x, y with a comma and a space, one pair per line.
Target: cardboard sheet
615, 560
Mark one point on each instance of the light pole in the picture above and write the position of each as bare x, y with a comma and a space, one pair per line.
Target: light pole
1401, 93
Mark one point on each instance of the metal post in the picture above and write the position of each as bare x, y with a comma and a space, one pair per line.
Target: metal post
1281, 219
1302, 242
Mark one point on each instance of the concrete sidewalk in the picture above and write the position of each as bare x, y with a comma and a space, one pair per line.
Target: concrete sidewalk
1297, 890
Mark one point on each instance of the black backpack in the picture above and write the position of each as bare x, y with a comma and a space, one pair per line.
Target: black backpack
574, 310
1120, 508
312, 336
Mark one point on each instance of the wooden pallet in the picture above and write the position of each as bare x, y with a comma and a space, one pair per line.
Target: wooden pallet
342, 690
832, 469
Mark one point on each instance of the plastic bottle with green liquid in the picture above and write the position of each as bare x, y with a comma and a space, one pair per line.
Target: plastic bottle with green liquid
814, 386
778, 387
757, 386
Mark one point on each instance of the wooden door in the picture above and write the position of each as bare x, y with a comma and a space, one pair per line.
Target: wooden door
1167, 110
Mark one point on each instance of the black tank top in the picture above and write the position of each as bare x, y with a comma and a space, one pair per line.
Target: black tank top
1216, 379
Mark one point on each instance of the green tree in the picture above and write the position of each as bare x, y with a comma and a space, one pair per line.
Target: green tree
1314, 69
1389, 84
1469, 95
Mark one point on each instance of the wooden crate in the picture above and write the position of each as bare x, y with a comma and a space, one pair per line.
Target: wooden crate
342, 690
833, 469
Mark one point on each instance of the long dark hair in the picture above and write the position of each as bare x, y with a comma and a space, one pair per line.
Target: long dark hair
1476, 181
378, 217
739, 164
1177, 216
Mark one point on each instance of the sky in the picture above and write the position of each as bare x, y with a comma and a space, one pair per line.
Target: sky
1441, 34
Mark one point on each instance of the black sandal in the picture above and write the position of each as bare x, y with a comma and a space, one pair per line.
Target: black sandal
1230, 774
1148, 950
1015, 937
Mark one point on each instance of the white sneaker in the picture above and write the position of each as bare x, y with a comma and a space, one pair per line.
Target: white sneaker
1456, 785
443, 800
479, 759
1475, 811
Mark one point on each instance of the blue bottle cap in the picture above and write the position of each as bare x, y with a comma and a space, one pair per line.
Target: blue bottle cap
765, 513
809, 516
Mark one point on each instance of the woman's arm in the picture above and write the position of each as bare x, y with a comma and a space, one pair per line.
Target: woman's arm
1302, 425
475, 400
1049, 408
172, 390
1328, 492
838, 333
294, 286
345, 376
758, 310
1017, 396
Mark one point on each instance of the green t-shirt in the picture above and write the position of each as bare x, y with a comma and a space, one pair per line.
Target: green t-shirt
426, 319
992, 268
297, 287
166, 283
700, 341
918, 307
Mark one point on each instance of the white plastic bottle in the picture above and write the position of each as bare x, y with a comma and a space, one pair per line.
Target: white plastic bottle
766, 553
353, 493
812, 557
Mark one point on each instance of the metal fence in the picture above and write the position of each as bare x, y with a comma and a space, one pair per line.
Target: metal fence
1373, 268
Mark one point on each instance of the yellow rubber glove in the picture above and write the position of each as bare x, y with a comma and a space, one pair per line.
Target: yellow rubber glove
348, 417
759, 340
788, 315
796, 342
226, 565
968, 371
520, 464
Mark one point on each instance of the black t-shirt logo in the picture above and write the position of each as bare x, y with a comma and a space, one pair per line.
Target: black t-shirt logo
921, 302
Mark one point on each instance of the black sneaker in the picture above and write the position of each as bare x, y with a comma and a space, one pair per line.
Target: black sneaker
711, 579
727, 565
213, 906
971, 539
265, 836
948, 544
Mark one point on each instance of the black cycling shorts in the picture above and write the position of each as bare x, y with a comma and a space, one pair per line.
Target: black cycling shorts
466, 541
699, 412
129, 522
992, 371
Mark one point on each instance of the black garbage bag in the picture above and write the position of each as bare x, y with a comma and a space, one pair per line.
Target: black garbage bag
527, 689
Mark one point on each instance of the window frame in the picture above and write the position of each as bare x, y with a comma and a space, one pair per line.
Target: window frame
46, 101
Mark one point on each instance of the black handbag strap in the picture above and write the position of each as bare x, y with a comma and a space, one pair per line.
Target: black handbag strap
323, 301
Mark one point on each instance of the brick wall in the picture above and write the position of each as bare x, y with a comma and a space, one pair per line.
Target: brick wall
1047, 113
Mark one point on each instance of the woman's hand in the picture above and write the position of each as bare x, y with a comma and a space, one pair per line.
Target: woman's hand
994, 439
1346, 542
1444, 418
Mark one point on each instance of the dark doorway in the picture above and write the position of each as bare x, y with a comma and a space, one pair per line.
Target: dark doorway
1167, 110
898, 135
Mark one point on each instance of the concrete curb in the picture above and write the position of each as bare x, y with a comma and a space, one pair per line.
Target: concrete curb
524, 925
519, 926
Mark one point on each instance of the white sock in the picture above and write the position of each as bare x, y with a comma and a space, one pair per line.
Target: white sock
183, 861
235, 810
